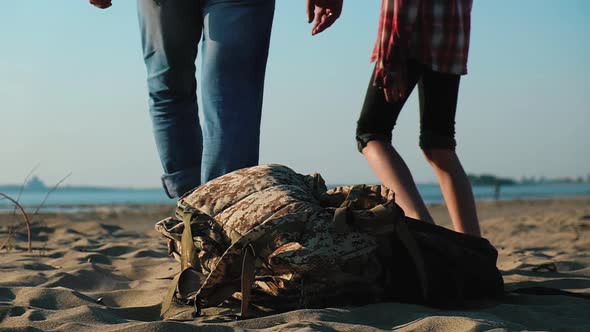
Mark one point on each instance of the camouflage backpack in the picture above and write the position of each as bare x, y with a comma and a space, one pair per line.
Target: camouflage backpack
277, 240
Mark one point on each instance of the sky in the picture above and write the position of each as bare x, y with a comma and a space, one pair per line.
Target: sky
73, 95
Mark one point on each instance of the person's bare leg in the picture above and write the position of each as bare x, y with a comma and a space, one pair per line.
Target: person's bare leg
392, 171
456, 190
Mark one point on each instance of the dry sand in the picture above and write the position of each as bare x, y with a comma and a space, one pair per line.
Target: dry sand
106, 271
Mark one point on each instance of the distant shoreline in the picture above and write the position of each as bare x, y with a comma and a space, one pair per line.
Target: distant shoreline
475, 180
18, 188
74, 199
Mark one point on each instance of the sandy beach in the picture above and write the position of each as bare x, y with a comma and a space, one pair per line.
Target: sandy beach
107, 270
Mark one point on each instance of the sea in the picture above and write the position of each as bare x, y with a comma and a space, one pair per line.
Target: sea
75, 200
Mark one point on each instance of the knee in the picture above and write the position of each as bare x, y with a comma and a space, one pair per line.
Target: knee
440, 158
168, 83
173, 95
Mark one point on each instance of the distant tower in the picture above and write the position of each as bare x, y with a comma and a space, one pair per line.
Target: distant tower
35, 183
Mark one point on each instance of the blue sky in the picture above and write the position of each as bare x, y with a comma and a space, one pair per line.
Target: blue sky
73, 93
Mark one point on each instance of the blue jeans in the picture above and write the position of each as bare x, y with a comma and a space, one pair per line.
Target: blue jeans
234, 37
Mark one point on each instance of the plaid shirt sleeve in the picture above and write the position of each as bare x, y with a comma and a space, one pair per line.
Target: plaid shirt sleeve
435, 32
396, 23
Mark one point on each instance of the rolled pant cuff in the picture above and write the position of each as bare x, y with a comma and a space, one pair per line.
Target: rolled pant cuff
434, 141
363, 139
178, 183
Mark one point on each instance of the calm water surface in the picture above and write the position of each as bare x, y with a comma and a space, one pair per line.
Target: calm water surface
66, 199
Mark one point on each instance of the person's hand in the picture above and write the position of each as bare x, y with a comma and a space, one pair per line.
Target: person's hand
393, 75
395, 86
102, 4
324, 12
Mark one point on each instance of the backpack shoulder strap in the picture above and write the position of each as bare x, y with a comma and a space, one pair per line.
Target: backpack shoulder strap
188, 255
247, 280
188, 261
407, 239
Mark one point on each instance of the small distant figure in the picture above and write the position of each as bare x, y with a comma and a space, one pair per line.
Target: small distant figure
497, 187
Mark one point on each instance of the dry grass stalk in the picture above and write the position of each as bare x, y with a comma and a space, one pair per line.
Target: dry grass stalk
8, 241
22, 210
25, 216
49, 193
22, 187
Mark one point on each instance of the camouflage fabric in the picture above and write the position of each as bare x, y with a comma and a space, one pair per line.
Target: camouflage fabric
302, 245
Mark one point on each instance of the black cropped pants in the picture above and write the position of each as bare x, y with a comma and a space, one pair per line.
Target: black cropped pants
438, 104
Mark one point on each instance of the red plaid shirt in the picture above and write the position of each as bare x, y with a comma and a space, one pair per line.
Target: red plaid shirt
434, 32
